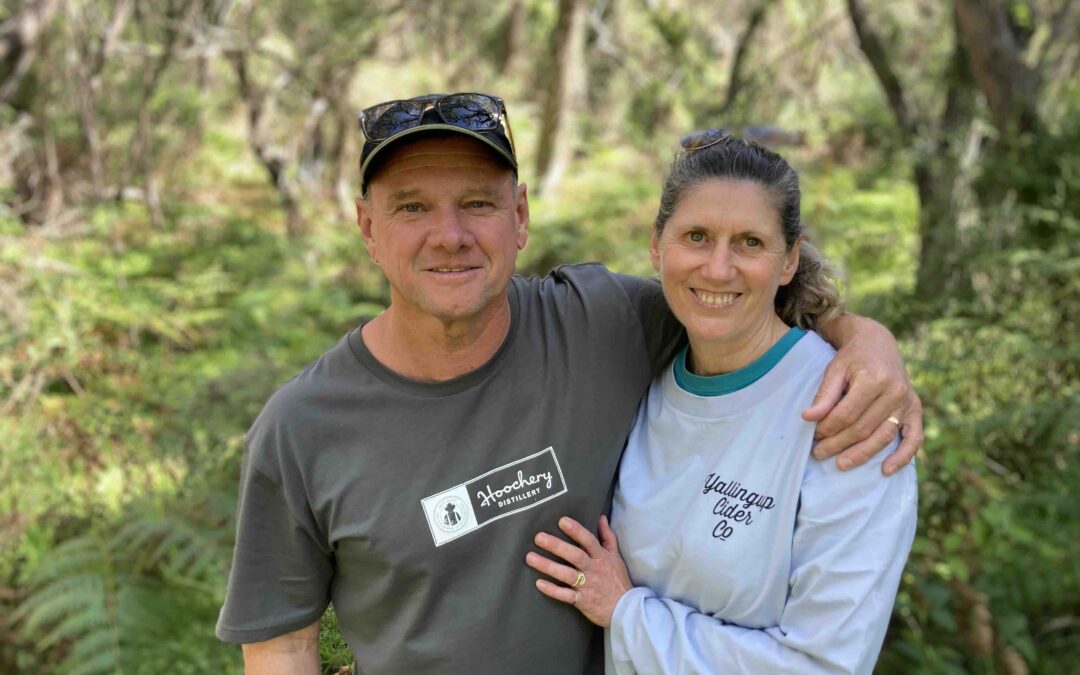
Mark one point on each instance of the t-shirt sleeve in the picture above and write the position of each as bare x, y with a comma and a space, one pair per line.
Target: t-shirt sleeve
281, 573
664, 335
852, 536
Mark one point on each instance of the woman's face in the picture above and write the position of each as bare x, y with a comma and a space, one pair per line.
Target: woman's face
721, 259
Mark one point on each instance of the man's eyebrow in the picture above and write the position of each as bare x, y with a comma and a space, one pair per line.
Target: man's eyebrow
394, 199
403, 194
483, 191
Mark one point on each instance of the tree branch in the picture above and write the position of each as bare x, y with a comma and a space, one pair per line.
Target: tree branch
874, 50
735, 79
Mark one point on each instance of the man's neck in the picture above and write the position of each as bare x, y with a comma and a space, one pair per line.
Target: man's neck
430, 350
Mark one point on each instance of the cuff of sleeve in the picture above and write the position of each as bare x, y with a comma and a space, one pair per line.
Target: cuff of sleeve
624, 620
233, 635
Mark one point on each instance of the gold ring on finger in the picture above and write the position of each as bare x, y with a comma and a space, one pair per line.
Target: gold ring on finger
580, 581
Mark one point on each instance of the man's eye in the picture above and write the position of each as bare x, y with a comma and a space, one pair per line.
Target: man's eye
409, 208
753, 242
696, 237
476, 204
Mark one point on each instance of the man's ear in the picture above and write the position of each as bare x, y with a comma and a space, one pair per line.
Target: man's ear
363, 220
791, 263
521, 212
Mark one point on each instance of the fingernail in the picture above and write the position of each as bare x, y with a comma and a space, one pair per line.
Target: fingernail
564, 522
843, 464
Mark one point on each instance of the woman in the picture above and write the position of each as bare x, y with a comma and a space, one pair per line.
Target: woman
739, 551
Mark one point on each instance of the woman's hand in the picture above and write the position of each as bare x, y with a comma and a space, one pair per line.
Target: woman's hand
605, 577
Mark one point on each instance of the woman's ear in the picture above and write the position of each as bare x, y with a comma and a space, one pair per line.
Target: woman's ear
791, 263
654, 249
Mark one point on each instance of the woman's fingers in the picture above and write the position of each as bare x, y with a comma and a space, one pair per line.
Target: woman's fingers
565, 550
585, 539
560, 593
557, 571
607, 536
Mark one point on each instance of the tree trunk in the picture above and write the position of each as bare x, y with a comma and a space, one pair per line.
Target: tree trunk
18, 43
997, 64
564, 95
89, 65
941, 181
738, 61
274, 159
511, 45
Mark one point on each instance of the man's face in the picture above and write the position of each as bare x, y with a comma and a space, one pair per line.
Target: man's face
444, 221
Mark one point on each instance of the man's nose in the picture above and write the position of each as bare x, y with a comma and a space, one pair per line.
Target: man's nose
451, 231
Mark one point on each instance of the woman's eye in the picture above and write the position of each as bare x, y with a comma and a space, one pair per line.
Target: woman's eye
753, 242
696, 237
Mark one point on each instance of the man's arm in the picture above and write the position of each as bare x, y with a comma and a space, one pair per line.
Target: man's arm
295, 653
863, 386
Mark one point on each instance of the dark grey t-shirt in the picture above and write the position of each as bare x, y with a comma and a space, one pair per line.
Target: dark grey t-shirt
412, 505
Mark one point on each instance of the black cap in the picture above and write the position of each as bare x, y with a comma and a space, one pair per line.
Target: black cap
432, 123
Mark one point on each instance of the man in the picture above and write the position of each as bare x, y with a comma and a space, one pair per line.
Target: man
404, 473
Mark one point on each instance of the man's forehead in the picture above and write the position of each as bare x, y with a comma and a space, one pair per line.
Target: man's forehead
440, 153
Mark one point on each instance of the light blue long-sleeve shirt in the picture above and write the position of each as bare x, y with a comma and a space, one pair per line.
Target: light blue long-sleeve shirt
748, 555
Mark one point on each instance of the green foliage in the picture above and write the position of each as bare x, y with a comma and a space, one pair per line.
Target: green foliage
133, 355
135, 594
995, 567
334, 654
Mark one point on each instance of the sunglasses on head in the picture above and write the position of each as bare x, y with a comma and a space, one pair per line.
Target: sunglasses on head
470, 111
703, 139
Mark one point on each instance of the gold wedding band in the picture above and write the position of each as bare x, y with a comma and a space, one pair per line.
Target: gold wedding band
893, 420
580, 581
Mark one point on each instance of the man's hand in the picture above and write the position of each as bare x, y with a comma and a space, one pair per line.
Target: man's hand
864, 386
295, 653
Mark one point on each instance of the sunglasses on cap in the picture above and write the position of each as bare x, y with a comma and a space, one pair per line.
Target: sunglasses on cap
469, 111
698, 140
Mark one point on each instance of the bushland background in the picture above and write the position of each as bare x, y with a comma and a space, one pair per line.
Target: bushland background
177, 239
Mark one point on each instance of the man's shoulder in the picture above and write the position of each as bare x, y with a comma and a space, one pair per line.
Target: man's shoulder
317, 385
592, 279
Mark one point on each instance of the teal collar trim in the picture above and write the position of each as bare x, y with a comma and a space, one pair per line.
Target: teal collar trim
726, 383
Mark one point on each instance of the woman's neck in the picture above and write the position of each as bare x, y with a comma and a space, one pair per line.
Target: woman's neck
715, 357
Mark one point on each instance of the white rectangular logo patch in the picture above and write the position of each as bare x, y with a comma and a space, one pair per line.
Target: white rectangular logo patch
512, 487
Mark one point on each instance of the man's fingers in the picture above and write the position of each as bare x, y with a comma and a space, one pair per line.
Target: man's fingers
861, 452
585, 539
864, 392
911, 441
868, 417
829, 392
560, 593
557, 571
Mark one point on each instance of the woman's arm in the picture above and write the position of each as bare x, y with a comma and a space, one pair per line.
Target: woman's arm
852, 536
